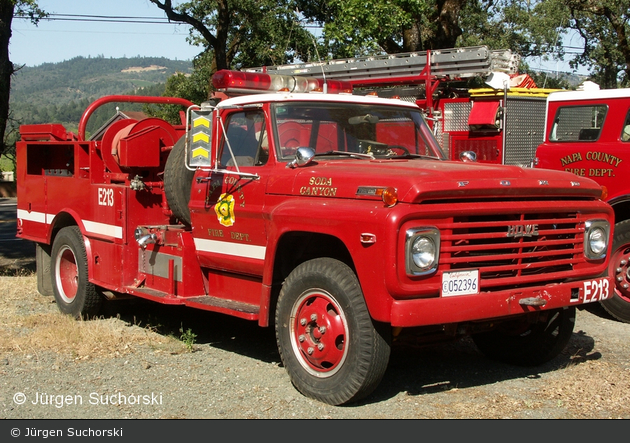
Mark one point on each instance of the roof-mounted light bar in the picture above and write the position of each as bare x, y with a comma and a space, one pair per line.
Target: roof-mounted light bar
255, 83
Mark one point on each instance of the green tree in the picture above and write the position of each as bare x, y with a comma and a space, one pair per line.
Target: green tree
9, 9
237, 33
359, 27
528, 28
604, 26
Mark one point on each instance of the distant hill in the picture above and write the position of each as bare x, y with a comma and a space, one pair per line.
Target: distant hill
60, 92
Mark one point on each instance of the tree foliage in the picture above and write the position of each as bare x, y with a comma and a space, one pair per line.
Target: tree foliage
604, 26
9, 9
237, 33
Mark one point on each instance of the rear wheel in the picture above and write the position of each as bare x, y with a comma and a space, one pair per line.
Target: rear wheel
525, 343
74, 294
328, 343
619, 304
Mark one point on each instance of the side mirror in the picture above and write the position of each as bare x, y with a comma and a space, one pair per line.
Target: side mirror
303, 157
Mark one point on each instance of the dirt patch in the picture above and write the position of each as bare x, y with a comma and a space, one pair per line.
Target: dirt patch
148, 68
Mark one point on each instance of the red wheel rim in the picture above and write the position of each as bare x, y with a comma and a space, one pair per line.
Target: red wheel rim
619, 268
319, 333
67, 274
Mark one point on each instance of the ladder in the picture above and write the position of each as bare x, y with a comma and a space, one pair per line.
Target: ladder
405, 68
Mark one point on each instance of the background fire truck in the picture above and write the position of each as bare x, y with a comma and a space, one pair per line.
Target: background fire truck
336, 218
588, 133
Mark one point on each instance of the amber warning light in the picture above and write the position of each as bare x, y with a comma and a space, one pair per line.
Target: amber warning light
253, 82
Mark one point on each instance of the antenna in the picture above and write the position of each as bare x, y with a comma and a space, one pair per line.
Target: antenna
321, 64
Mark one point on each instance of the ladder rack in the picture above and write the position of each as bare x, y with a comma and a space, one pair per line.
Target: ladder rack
405, 68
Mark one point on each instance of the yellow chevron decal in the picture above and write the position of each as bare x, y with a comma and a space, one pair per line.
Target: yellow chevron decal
201, 121
200, 152
201, 137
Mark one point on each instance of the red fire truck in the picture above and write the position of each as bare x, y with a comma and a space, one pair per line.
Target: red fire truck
333, 217
588, 133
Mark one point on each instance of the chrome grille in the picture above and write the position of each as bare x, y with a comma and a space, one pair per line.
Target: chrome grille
540, 248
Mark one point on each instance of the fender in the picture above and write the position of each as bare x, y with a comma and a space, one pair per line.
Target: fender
344, 220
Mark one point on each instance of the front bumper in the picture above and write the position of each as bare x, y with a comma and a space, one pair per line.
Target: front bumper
490, 305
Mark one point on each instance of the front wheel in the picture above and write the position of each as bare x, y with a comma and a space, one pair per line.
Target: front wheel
328, 343
74, 294
524, 342
619, 304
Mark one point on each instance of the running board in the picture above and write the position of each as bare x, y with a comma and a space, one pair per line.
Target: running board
205, 302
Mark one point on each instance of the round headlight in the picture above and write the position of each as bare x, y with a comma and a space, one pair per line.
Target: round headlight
423, 252
597, 241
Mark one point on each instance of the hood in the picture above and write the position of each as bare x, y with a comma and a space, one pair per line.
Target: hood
419, 180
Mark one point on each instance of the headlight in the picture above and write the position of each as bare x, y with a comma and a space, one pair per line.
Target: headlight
596, 239
422, 250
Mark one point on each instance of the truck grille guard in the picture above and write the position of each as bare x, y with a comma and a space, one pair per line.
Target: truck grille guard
515, 249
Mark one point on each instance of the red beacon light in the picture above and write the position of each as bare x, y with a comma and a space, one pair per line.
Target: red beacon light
239, 82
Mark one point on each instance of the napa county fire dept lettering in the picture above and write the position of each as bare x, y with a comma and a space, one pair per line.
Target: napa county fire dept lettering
593, 156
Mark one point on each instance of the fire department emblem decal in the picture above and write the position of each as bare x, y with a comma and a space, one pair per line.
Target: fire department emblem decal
225, 209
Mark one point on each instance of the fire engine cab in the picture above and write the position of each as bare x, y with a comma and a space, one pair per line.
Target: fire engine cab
335, 218
587, 132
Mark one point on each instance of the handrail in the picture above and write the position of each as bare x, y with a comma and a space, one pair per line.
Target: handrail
127, 99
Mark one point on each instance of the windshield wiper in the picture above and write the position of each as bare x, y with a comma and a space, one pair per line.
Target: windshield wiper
428, 157
346, 153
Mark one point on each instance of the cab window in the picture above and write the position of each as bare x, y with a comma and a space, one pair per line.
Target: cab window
578, 123
625, 131
245, 133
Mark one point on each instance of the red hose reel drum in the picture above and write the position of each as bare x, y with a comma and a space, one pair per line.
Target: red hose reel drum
131, 143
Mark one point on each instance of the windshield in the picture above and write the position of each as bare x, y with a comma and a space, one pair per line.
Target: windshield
383, 131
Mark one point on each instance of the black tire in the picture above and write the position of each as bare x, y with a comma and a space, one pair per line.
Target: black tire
619, 268
349, 357
520, 342
74, 294
178, 181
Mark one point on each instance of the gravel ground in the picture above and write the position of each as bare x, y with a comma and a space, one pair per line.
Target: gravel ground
231, 370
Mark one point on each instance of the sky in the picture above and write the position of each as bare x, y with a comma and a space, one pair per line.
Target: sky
57, 41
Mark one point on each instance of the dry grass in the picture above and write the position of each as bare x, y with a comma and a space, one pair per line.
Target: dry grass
30, 323
589, 388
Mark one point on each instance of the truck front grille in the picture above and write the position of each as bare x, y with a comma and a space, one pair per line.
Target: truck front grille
514, 249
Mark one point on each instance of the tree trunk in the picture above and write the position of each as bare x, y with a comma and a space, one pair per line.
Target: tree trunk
6, 67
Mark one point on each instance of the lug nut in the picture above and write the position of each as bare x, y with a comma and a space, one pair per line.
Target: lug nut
310, 350
313, 317
623, 262
301, 338
618, 270
322, 329
303, 322
625, 286
620, 278
320, 346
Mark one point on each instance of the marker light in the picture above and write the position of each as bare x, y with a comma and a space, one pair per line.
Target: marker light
254, 82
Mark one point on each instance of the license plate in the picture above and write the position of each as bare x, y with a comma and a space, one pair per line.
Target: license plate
460, 283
